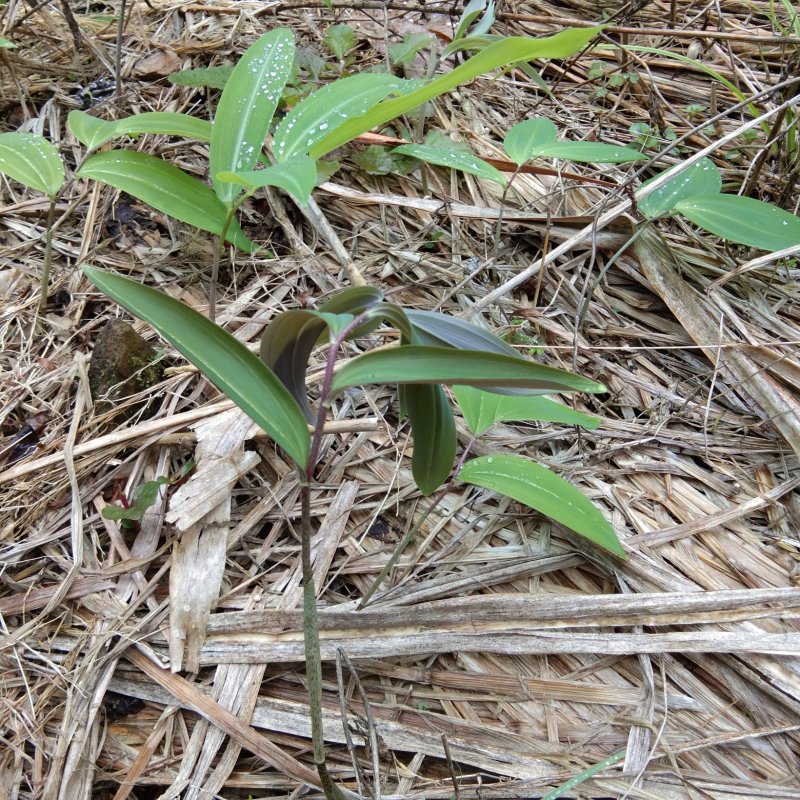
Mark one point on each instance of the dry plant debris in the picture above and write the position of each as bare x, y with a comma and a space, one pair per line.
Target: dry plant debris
496, 658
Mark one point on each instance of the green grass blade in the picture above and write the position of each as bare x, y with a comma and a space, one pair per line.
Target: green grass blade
702, 178
561, 790
324, 110
222, 358
499, 54
166, 188
742, 220
33, 161
455, 159
535, 486
93, 132
246, 107
421, 364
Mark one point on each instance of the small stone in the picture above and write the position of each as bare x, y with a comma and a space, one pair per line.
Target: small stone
122, 364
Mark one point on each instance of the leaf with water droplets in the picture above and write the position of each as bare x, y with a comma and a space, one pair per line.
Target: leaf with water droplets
702, 178
33, 161
454, 158
246, 107
296, 176
315, 116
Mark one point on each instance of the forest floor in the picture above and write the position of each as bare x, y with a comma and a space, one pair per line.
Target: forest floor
503, 656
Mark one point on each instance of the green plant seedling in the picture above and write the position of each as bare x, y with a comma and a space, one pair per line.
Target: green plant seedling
34, 162
340, 40
271, 390
405, 51
144, 497
472, 11
695, 193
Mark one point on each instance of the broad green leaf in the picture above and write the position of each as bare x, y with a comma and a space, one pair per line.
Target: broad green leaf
501, 53
336, 323
526, 137
340, 40
742, 220
703, 177
222, 358
289, 339
296, 176
166, 188
434, 431
535, 486
456, 159
376, 160
405, 51
33, 161
212, 77
93, 132
590, 152
471, 12
324, 110
483, 409
421, 364
246, 107
441, 330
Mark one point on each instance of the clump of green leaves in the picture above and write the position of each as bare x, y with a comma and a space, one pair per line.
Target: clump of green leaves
33, 161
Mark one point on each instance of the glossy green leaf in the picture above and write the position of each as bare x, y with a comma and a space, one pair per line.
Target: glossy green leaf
290, 338
526, 137
421, 364
701, 178
222, 358
455, 159
442, 330
434, 431
246, 107
742, 220
212, 77
535, 486
164, 187
590, 152
297, 176
33, 161
93, 132
507, 51
405, 51
315, 116
483, 409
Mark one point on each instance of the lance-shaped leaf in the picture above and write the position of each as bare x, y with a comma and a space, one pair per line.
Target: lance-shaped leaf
213, 77
166, 188
222, 358
453, 158
296, 176
33, 161
421, 364
701, 178
289, 339
535, 486
246, 107
441, 330
316, 115
93, 132
525, 137
742, 220
483, 409
507, 51
434, 432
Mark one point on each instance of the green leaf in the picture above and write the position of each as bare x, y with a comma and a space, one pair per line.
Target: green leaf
442, 330
485, 23
535, 486
315, 116
483, 409
434, 432
470, 43
742, 220
6, 43
296, 176
405, 51
289, 339
336, 323
212, 77
526, 137
93, 132
590, 152
454, 158
246, 107
166, 188
421, 364
33, 161
340, 40
703, 177
498, 54
222, 358
146, 495
471, 12
375, 160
